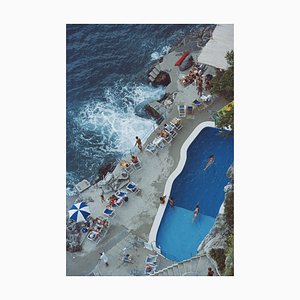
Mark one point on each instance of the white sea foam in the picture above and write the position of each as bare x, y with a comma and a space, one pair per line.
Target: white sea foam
72, 180
108, 127
112, 125
158, 54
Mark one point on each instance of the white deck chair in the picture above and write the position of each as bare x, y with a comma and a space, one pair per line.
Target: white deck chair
190, 112
173, 134
151, 148
130, 169
150, 269
169, 138
151, 259
182, 111
137, 165
176, 122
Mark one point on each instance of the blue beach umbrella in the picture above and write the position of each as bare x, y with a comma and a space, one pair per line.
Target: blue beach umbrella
79, 212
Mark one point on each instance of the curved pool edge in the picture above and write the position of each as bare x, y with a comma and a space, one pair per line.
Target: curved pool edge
170, 180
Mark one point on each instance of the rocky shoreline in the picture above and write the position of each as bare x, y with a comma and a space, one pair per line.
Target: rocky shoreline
218, 235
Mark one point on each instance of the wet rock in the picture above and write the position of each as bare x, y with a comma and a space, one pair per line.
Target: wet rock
163, 78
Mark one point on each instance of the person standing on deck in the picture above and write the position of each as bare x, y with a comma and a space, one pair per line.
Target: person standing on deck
104, 258
139, 143
102, 198
210, 272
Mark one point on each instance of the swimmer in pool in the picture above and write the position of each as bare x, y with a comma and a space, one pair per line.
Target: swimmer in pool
196, 211
210, 161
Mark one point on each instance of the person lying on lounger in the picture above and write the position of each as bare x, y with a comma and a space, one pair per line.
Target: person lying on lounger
112, 200
149, 268
128, 258
164, 134
134, 159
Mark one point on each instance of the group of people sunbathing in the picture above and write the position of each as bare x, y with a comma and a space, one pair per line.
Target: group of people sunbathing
95, 223
125, 164
194, 76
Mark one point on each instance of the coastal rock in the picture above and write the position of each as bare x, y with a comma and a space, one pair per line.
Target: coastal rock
216, 237
218, 234
163, 78
229, 173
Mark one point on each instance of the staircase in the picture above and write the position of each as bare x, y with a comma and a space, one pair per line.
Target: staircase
195, 266
153, 74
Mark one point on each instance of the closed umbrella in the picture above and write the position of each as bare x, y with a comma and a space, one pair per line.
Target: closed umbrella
79, 212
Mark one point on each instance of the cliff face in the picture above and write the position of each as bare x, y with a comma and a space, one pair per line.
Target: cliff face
218, 235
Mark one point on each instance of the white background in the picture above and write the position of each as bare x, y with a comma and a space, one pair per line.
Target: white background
33, 101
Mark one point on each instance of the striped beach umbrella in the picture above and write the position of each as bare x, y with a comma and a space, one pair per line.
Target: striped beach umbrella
79, 212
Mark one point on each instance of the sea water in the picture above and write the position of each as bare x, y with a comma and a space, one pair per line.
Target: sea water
107, 89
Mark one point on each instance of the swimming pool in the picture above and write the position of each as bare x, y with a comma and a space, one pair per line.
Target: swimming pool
177, 236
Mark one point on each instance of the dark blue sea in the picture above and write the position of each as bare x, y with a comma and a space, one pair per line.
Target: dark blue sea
107, 89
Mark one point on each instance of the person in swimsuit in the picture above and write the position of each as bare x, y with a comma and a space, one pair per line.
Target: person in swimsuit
139, 143
196, 211
210, 161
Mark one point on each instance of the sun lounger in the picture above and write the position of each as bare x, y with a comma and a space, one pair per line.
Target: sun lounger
173, 133
121, 194
150, 269
168, 139
169, 127
177, 123
182, 111
109, 212
137, 165
103, 233
132, 187
127, 166
103, 222
190, 112
93, 236
151, 259
151, 148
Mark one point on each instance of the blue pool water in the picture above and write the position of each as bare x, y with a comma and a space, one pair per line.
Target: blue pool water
178, 237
